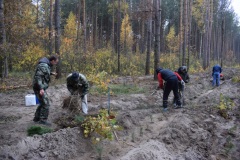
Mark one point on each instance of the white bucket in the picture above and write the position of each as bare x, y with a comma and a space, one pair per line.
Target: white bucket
30, 100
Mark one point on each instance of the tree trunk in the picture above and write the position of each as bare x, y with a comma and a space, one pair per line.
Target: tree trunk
45, 26
107, 31
190, 30
157, 38
223, 30
84, 27
143, 36
125, 34
57, 37
119, 29
2, 42
92, 29
210, 15
96, 39
180, 36
78, 25
206, 37
50, 27
100, 37
149, 36
185, 32
37, 15
113, 31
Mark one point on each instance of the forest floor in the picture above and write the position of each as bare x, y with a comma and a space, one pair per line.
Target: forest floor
196, 131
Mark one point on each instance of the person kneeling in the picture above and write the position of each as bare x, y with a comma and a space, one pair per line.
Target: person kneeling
78, 84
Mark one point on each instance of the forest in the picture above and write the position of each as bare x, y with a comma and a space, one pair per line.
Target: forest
123, 37
116, 63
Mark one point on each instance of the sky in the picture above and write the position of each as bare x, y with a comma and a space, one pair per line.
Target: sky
236, 7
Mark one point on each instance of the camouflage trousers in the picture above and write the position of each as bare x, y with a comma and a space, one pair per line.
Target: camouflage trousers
42, 111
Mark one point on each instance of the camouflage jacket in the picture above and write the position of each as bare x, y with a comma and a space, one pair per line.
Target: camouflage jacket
42, 75
81, 84
184, 76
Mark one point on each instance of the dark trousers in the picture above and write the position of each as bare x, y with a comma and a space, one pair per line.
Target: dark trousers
171, 85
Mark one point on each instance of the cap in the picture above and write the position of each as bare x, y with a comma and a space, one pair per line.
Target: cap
75, 75
184, 68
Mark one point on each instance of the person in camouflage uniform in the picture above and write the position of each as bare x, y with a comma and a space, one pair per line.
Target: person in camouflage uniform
78, 84
182, 71
40, 83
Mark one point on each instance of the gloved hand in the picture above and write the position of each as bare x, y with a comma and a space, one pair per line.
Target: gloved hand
182, 83
82, 96
158, 88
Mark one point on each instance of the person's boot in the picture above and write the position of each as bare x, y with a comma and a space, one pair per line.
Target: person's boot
35, 119
45, 123
177, 106
164, 109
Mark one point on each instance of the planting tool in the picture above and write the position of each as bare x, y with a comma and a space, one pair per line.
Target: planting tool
182, 94
109, 100
109, 116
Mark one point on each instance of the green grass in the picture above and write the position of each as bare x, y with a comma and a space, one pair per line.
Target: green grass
25, 75
32, 130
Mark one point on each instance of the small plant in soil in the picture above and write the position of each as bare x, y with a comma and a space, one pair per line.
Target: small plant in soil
80, 118
32, 130
101, 125
228, 145
151, 117
141, 131
124, 140
231, 130
133, 136
99, 149
224, 102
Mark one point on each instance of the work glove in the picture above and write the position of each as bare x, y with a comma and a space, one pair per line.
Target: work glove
82, 96
182, 83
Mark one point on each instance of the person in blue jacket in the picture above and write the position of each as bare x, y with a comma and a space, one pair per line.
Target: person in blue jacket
216, 74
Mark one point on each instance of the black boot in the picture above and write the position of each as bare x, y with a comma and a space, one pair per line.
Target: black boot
35, 119
45, 123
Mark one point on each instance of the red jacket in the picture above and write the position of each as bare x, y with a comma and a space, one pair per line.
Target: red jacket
160, 80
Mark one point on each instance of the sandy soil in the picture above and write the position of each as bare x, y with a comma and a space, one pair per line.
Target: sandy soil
194, 132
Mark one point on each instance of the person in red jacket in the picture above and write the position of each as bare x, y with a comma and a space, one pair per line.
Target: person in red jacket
171, 84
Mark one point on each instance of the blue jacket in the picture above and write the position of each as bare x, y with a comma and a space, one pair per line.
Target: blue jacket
217, 68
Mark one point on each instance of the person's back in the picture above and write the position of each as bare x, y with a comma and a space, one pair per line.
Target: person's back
216, 74
217, 68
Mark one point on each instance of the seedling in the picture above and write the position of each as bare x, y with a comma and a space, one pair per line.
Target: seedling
147, 127
232, 129
229, 146
99, 151
151, 117
80, 118
124, 140
141, 131
101, 125
133, 136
